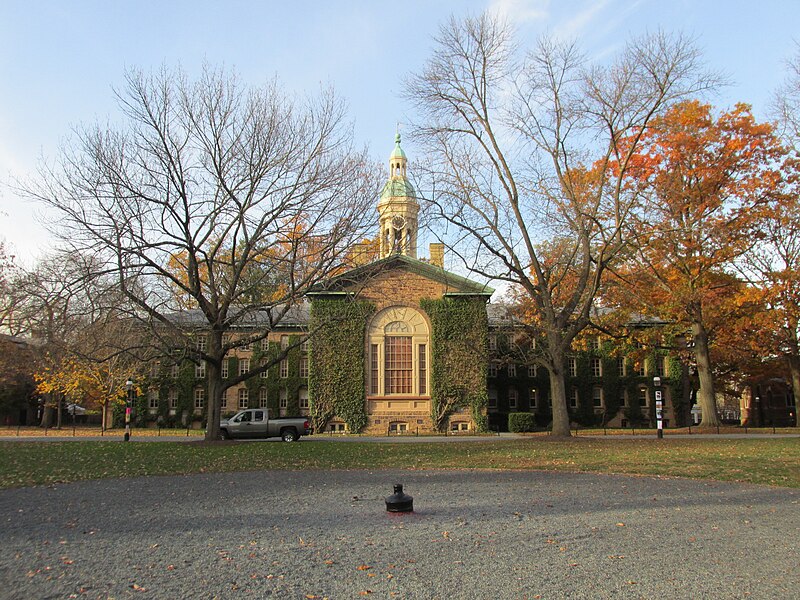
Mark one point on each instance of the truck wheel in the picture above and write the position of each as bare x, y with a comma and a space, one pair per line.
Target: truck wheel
223, 434
289, 435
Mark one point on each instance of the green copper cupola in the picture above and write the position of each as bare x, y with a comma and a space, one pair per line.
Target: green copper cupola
398, 208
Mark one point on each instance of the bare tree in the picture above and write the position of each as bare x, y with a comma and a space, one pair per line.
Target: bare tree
211, 196
786, 103
78, 324
527, 164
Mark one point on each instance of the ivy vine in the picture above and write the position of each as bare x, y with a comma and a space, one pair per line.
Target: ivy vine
337, 356
459, 357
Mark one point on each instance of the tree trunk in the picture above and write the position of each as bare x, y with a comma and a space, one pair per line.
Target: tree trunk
215, 391
103, 416
558, 396
706, 396
59, 408
794, 369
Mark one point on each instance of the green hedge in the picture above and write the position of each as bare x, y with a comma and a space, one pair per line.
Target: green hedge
521, 422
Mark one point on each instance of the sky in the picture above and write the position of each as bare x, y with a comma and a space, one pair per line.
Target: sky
60, 61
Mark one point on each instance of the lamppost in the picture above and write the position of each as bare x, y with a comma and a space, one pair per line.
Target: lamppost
758, 411
659, 407
128, 407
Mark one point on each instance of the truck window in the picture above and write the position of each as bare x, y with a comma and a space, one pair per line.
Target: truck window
258, 415
245, 417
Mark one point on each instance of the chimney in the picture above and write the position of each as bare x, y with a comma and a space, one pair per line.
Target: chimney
437, 255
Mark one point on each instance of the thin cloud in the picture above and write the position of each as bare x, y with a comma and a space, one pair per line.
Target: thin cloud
520, 11
576, 25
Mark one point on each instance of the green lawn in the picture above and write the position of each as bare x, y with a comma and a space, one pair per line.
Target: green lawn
768, 461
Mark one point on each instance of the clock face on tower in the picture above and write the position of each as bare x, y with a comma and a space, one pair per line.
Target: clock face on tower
398, 222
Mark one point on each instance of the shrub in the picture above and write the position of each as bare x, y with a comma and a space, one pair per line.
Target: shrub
520, 422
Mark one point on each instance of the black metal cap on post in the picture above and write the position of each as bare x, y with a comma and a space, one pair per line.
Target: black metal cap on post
399, 502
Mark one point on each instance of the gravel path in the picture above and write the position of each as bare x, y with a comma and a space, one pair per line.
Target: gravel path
321, 535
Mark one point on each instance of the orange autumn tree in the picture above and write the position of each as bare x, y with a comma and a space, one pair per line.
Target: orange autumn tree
772, 268
705, 184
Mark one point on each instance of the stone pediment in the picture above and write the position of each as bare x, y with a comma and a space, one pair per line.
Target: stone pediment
350, 282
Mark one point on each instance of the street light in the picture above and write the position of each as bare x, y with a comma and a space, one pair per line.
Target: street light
128, 405
659, 407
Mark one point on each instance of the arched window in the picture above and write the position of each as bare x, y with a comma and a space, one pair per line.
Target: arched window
398, 339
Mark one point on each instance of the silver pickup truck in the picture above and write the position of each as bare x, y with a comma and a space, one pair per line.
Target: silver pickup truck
255, 423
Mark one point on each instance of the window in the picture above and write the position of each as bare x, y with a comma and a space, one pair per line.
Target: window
621, 366
459, 426
512, 370
573, 398
304, 345
397, 427
660, 366
512, 398
397, 365
594, 343
640, 369
533, 370
423, 369
265, 344
201, 343
597, 397
284, 399
200, 370
265, 373
303, 399
152, 399
245, 347
492, 394
304, 366
244, 397
492, 343
284, 342
262, 398
154, 368
597, 367
284, 368
224, 403
199, 398
623, 398
244, 365
492, 369
173, 371
373, 378
573, 366
173, 399
398, 358
534, 398
224, 368
644, 397
336, 427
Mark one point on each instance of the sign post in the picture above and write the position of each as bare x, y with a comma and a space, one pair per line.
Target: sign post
659, 407
128, 408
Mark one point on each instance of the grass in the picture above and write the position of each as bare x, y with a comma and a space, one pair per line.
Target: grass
773, 461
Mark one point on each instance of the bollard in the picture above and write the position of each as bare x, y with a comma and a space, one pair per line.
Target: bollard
399, 501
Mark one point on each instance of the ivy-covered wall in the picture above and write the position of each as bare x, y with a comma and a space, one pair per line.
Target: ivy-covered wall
614, 386
459, 355
336, 381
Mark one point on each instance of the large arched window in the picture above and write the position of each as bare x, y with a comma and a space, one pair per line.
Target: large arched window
398, 357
